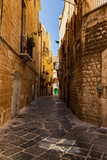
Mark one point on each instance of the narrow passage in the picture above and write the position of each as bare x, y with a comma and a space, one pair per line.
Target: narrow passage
47, 130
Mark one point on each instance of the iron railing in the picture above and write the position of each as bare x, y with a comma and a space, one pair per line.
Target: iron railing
45, 50
26, 46
89, 5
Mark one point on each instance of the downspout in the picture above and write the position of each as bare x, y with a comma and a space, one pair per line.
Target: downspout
41, 67
1, 18
68, 55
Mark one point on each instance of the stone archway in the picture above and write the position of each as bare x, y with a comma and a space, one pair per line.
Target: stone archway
104, 81
16, 95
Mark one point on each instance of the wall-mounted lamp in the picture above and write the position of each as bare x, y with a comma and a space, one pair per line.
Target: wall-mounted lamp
34, 33
57, 42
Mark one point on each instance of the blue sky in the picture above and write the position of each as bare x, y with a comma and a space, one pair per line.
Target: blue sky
49, 17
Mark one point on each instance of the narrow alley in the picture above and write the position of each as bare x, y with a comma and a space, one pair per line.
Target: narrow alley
47, 130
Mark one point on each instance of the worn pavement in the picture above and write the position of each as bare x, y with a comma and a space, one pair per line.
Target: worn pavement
47, 130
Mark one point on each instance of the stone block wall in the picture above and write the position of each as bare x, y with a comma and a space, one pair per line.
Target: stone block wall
94, 41
10, 62
87, 43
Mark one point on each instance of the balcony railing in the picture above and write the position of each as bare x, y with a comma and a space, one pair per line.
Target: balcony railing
39, 28
45, 51
50, 60
90, 5
43, 77
26, 46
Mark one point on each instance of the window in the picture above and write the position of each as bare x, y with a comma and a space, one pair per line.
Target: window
43, 46
23, 19
75, 2
43, 68
34, 3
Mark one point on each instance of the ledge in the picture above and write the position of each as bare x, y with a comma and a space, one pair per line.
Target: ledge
25, 57
93, 10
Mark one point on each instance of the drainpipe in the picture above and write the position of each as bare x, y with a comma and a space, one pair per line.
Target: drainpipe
41, 67
1, 17
68, 56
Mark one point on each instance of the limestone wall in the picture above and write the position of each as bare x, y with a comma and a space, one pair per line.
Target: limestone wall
94, 41
10, 62
87, 46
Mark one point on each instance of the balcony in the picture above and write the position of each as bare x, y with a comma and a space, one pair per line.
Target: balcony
45, 51
39, 28
26, 49
92, 5
43, 77
50, 60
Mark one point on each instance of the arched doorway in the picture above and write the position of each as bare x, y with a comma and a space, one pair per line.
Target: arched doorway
16, 95
104, 81
56, 91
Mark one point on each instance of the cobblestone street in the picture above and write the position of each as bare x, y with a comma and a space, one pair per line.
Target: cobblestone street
47, 130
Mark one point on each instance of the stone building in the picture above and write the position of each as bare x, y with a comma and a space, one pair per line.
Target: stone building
46, 63
83, 59
19, 58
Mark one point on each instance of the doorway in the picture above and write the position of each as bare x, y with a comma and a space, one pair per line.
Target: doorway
36, 89
56, 91
16, 95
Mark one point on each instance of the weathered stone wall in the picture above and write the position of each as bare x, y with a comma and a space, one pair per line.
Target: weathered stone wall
87, 41
94, 39
10, 63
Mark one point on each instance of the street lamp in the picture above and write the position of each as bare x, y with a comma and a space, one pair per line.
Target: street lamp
57, 42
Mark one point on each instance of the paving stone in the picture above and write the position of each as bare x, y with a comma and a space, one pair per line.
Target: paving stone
95, 154
21, 133
53, 139
99, 148
49, 130
39, 131
49, 157
41, 137
38, 158
4, 158
58, 133
71, 136
90, 158
82, 145
18, 142
67, 142
102, 130
72, 157
35, 150
32, 129
104, 156
28, 144
99, 141
93, 129
46, 144
30, 136
12, 151
5, 147
78, 151
60, 149
54, 152
22, 156
87, 137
